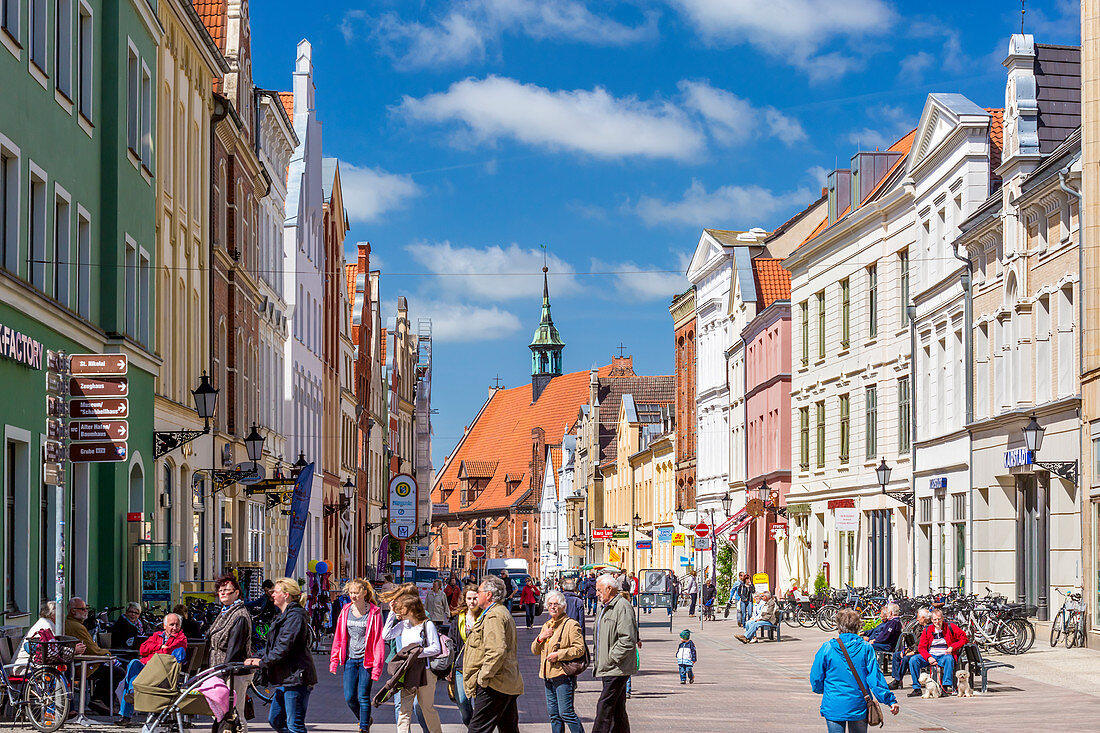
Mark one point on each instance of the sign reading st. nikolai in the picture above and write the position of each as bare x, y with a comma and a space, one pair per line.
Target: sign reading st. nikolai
98, 430
98, 387
403, 494
98, 364
101, 452
110, 407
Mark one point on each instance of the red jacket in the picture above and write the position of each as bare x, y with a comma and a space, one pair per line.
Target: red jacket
529, 594
374, 655
952, 634
158, 644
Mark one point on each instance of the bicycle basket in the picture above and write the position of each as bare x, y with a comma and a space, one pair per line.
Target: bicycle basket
52, 652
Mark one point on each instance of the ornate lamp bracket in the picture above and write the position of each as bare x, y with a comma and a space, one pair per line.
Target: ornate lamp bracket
1067, 470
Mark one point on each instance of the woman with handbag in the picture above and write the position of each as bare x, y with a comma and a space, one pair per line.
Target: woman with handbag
845, 673
408, 626
464, 619
562, 656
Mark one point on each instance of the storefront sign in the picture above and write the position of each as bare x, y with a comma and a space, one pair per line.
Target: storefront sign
20, 348
156, 581
846, 519
777, 529
664, 535
601, 533
1017, 457
402, 506
645, 544
620, 534
761, 580
678, 539
940, 482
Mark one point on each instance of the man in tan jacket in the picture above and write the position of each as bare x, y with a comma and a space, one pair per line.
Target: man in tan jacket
490, 668
616, 656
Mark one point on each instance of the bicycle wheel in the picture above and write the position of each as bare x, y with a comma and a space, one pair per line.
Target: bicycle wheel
46, 699
1028, 640
826, 618
1056, 628
264, 692
805, 618
1072, 627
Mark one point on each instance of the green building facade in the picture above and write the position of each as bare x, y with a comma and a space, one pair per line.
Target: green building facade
77, 202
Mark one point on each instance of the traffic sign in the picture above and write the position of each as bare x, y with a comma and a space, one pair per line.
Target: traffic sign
108, 407
478, 551
702, 543
101, 452
98, 387
403, 512
98, 364
98, 430
702, 530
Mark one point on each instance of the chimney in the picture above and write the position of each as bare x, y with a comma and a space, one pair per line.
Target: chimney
839, 184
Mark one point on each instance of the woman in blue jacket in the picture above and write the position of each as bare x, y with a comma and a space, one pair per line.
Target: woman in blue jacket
842, 703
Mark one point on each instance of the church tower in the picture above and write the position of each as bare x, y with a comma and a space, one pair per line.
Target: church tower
546, 347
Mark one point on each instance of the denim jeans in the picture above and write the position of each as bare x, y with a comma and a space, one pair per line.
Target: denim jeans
901, 664
464, 704
529, 612
357, 684
753, 626
686, 671
133, 669
691, 608
744, 613
559, 705
288, 709
852, 726
590, 604
946, 663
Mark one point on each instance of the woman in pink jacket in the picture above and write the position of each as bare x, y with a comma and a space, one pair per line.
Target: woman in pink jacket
357, 644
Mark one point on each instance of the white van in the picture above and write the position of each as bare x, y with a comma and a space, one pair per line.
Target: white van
511, 564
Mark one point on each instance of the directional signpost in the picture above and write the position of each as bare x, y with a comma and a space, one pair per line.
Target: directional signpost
53, 463
98, 430
99, 408
100, 365
98, 387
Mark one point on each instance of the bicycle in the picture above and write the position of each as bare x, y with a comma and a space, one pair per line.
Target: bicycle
41, 693
1068, 621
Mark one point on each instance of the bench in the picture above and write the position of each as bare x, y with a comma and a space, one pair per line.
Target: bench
977, 663
774, 631
886, 659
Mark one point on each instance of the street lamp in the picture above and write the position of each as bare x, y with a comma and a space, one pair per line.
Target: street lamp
679, 514
254, 446
727, 502
206, 402
883, 472
299, 464
637, 521
1033, 435
1033, 439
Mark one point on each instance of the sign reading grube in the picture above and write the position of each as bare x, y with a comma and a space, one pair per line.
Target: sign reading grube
403, 495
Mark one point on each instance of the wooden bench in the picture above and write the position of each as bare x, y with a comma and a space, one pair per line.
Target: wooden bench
977, 663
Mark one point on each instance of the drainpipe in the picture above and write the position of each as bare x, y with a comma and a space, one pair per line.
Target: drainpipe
968, 349
911, 310
1064, 185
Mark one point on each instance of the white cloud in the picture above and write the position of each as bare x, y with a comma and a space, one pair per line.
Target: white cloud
592, 122
371, 192
637, 283
894, 123
793, 30
471, 28
818, 174
912, 67
734, 207
494, 272
867, 139
733, 119
455, 321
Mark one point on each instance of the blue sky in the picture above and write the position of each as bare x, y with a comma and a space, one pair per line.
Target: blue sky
472, 132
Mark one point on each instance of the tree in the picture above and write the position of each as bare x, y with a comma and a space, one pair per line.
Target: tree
725, 568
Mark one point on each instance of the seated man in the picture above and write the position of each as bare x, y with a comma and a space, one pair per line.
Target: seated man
884, 637
169, 641
763, 616
904, 653
98, 674
939, 646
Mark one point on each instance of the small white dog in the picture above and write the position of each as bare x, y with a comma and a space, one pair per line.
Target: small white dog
931, 687
963, 684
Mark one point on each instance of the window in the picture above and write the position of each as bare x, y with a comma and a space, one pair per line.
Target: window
82, 297
804, 310
1066, 373
62, 245
819, 408
145, 274
981, 371
481, 534
845, 427
903, 267
38, 230
871, 438
131, 267
1043, 371
1095, 452
133, 101
84, 61
872, 301
821, 325
804, 438
38, 33
63, 46
256, 521
9, 210
9, 17
146, 118
526, 537
903, 415
16, 466
925, 509
845, 313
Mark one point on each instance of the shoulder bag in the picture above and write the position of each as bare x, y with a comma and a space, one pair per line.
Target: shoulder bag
573, 667
874, 712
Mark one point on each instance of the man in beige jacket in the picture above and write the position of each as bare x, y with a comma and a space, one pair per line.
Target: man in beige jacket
490, 668
616, 657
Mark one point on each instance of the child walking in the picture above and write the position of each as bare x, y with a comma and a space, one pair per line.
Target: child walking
685, 658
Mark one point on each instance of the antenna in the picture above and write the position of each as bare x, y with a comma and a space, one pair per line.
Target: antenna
1023, 12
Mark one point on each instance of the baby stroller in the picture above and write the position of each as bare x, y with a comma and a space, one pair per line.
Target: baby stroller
160, 691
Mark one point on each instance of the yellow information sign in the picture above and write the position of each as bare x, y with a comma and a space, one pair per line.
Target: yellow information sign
761, 579
613, 556
678, 539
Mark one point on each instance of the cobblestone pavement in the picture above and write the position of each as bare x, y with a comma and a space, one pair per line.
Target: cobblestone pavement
762, 687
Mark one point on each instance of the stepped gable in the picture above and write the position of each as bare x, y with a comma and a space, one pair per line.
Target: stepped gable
502, 435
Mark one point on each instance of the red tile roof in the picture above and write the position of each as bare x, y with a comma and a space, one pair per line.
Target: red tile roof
287, 98
772, 281
383, 336
213, 16
502, 434
996, 137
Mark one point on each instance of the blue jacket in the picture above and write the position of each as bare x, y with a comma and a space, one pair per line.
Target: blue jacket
831, 678
733, 592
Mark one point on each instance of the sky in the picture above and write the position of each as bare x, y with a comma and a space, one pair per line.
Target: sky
477, 137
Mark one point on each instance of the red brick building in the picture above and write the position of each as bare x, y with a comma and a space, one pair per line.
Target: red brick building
683, 324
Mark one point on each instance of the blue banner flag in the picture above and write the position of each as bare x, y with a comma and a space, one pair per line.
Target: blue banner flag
299, 515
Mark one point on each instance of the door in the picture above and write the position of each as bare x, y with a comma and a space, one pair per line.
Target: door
1032, 543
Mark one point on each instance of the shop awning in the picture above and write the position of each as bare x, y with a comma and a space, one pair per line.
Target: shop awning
744, 522
737, 517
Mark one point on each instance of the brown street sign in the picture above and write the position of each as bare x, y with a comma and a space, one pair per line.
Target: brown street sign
98, 364
102, 452
98, 430
110, 407
98, 387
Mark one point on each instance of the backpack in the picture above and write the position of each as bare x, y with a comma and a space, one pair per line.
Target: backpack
441, 663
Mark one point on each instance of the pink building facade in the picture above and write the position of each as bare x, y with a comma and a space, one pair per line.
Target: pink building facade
767, 339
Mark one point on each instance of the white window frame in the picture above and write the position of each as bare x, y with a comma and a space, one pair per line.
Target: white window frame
21, 566
82, 297
62, 247
85, 56
63, 50
145, 130
37, 44
10, 17
10, 205
130, 254
144, 304
133, 99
